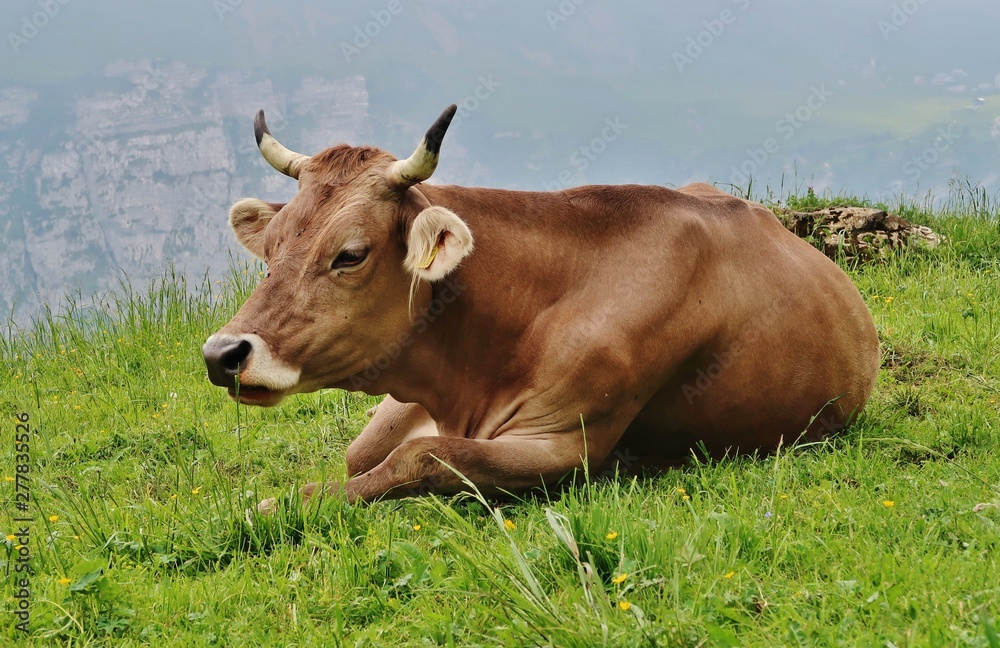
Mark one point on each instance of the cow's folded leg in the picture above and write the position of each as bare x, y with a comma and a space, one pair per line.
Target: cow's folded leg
438, 465
306, 493
392, 424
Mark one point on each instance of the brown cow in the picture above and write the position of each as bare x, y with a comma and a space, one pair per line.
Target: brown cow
521, 334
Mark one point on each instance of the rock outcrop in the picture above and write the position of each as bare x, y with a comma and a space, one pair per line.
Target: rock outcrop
857, 231
144, 171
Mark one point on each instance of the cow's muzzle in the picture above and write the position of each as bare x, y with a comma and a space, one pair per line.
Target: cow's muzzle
246, 366
225, 357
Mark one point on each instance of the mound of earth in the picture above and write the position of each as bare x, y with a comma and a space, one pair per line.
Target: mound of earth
857, 231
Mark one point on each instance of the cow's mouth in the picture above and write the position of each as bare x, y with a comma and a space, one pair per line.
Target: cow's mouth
255, 395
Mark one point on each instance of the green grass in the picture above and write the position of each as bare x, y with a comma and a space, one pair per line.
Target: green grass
143, 477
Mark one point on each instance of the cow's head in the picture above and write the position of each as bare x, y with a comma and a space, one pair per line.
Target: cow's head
348, 260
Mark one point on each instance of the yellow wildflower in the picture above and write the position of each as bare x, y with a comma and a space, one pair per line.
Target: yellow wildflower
8, 478
174, 496
53, 518
681, 490
686, 497
611, 536
783, 496
729, 574
888, 503
624, 605
76, 407
510, 526
76, 537
619, 579
196, 491
64, 581
416, 527
11, 537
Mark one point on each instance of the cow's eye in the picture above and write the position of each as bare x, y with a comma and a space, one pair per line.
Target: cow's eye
349, 258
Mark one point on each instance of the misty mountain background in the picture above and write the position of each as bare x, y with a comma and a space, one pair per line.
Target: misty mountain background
126, 128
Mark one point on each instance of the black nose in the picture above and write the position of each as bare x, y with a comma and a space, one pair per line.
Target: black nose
224, 356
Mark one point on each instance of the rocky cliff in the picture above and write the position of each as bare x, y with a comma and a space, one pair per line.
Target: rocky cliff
140, 174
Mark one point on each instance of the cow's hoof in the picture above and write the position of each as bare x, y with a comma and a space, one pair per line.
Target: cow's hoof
268, 506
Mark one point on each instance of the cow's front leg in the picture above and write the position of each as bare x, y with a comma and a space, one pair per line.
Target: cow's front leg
393, 424
437, 464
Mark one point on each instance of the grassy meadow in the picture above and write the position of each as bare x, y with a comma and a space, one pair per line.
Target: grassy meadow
143, 480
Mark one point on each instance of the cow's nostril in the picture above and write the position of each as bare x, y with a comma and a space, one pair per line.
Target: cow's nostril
225, 357
234, 357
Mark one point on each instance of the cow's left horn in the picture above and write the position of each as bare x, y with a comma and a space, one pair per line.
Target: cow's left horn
419, 166
282, 159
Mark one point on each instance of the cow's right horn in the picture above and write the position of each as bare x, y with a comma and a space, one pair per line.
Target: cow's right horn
419, 166
282, 159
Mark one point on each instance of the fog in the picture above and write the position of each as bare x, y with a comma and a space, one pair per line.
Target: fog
125, 128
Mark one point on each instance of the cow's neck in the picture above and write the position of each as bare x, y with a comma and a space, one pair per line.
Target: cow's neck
479, 317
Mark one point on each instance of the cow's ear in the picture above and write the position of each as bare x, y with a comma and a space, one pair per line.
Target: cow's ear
437, 243
248, 218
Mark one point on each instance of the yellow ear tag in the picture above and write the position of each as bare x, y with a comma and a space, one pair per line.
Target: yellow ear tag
426, 264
